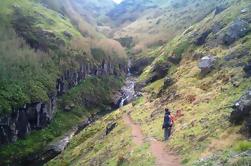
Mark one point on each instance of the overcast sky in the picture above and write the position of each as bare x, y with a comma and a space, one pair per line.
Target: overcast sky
117, 1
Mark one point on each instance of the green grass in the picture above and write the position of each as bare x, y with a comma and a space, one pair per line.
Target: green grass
91, 146
243, 146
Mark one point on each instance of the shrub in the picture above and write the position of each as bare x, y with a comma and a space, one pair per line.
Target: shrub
243, 146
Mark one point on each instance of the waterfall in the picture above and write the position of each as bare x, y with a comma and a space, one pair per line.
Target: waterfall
123, 101
128, 88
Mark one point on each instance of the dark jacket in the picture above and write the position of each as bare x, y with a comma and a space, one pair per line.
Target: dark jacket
167, 121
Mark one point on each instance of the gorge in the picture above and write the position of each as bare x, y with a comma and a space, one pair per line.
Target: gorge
86, 82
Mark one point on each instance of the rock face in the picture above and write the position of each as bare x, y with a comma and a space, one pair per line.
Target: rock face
138, 66
110, 126
35, 116
247, 69
206, 64
241, 112
202, 37
219, 9
175, 59
24, 120
159, 71
238, 29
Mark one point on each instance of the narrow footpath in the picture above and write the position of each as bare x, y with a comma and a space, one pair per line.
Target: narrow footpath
163, 157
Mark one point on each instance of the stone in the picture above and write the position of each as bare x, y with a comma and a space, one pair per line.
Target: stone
202, 38
247, 69
175, 59
206, 64
21, 122
167, 81
219, 9
159, 71
241, 109
243, 11
238, 29
139, 65
68, 34
110, 126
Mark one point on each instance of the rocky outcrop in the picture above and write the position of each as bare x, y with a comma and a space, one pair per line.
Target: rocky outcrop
110, 126
175, 59
247, 69
242, 112
139, 65
206, 64
22, 121
238, 29
202, 37
159, 71
34, 116
219, 9
167, 81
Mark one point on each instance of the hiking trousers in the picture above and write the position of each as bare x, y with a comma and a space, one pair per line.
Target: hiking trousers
167, 133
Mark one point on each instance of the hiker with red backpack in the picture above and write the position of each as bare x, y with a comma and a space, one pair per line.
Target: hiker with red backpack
167, 124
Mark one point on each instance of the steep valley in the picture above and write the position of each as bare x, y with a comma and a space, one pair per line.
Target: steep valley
86, 82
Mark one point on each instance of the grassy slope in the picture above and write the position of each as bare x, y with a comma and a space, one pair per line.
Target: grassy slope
92, 147
33, 73
203, 131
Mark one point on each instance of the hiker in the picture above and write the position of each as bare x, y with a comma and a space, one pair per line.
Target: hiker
167, 124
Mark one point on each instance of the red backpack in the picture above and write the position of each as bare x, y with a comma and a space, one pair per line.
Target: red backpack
172, 119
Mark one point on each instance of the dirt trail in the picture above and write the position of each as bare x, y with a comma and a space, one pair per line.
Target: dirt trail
163, 157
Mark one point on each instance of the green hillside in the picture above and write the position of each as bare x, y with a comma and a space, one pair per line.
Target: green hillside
191, 56
202, 134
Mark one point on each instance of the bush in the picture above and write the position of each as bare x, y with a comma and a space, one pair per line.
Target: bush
243, 146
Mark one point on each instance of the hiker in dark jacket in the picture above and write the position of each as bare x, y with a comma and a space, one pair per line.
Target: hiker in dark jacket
167, 124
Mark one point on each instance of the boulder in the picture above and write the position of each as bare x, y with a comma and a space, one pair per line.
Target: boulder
167, 81
238, 29
68, 34
202, 37
206, 64
175, 59
139, 65
110, 126
159, 71
116, 99
243, 11
241, 108
219, 9
247, 69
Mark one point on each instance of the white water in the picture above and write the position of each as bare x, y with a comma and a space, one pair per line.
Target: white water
128, 88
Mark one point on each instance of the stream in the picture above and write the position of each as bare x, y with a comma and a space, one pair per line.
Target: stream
128, 90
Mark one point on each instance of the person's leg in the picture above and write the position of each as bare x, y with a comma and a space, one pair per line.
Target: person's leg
169, 131
165, 134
